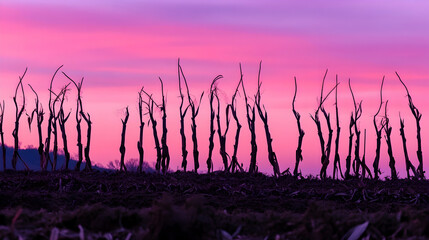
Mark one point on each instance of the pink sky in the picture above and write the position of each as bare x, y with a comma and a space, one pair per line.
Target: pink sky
121, 46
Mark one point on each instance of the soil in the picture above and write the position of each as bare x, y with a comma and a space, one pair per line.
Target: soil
113, 205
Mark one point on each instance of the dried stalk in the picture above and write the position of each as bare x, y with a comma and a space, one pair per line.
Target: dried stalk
357, 162
324, 149
3, 147
213, 90
62, 122
18, 114
194, 113
51, 118
140, 142
182, 126
364, 154
388, 132
222, 136
38, 110
337, 162
165, 152
234, 161
78, 121
150, 109
122, 148
378, 133
298, 153
408, 163
347, 174
418, 116
264, 117
250, 116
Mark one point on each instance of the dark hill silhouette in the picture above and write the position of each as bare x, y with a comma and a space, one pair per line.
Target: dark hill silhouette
31, 158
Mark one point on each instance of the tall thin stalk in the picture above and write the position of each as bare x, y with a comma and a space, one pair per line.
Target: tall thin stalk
38, 110
213, 89
408, 163
272, 157
122, 148
418, 116
222, 135
388, 132
250, 117
378, 131
337, 162
140, 142
165, 151
298, 153
3, 148
62, 119
18, 114
194, 113
78, 121
232, 106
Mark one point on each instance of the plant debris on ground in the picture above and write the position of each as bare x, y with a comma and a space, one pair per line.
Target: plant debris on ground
114, 205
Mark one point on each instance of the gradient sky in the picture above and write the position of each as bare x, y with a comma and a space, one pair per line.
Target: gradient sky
121, 46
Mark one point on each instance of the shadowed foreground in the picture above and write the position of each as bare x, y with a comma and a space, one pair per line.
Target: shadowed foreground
69, 205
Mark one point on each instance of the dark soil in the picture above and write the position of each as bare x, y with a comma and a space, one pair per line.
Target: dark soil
102, 205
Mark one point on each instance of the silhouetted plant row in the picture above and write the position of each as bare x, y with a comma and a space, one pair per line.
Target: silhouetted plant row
147, 106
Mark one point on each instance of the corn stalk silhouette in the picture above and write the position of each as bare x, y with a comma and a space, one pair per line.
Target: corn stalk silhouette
212, 92
38, 110
250, 117
418, 116
358, 162
408, 163
387, 136
222, 136
55, 119
62, 119
140, 142
235, 166
150, 104
337, 162
18, 114
378, 131
264, 117
298, 153
194, 113
325, 150
3, 147
165, 151
182, 124
78, 118
122, 148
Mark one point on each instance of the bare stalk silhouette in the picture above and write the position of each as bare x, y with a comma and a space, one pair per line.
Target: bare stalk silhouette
364, 153
250, 116
337, 162
165, 152
388, 132
222, 136
55, 126
3, 147
194, 113
347, 174
51, 118
182, 126
357, 162
38, 110
122, 147
150, 103
234, 161
87, 118
378, 131
264, 117
78, 121
213, 89
298, 153
18, 114
418, 116
140, 142
325, 150
408, 163
62, 119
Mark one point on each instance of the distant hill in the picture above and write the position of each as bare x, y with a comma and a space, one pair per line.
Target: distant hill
32, 159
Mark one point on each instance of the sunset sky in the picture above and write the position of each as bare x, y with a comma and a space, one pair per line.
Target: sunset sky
120, 46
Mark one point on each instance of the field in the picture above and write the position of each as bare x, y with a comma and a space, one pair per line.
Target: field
103, 205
